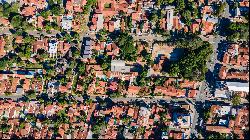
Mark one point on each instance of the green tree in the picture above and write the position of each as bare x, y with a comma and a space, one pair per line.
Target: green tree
29, 39
31, 94
81, 67
7, 93
75, 52
15, 7
16, 21
1, 10
5, 127
180, 4
187, 17
236, 31
56, 10
2, 64
115, 95
27, 26
22, 125
174, 70
98, 126
206, 115
126, 44
7, 9
220, 9
195, 12
105, 66
45, 13
192, 65
236, 99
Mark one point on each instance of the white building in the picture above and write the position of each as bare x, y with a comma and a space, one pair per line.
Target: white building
223, 122
222, 94
183, 120
224, 110
87, 53
144, 113
119, 66
117, 24
53, 48
67, 22
237, 86
170, 14
100, 21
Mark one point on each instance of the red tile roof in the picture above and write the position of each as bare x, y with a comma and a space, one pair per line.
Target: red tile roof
29, 11
219, 129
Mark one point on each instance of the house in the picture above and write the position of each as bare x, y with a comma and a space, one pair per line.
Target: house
39, 22
29, 11
40, 45
117, 24
222, 110
112, 49
99, 23
177, 24
64, 48
236, 55
192, 93
108, 8
182, 120
208, 24
207, 27
133, 91
176, 134
237, 86
2, 45
233, 74
169, 91
219, 129
67, 22
222, 94
119, 66
4, 22
87, 52
195, 27
39, 4
19, 39
53, 48
69, 5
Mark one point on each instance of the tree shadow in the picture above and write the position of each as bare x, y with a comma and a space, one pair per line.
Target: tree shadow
222, 27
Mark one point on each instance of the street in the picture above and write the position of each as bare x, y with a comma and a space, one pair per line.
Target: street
205, 91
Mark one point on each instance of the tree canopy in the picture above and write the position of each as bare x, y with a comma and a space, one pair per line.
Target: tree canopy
236, 99
192, 64
126, 44
237, 31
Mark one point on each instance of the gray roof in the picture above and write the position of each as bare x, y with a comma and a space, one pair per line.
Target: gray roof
119, 66
87, 43
87, 52
86, 56
19, 90
87, 48
237, 84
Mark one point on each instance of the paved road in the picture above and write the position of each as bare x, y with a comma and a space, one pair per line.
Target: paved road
38, 33
148, 37
204, 91
13, 97
146, 100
